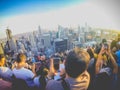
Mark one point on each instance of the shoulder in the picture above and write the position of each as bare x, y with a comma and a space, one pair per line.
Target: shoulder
5, 70
24, 70
54, 85
36, 81
4, 85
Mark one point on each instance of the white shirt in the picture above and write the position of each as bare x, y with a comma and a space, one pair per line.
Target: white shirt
24, 74
36, 81
6, 73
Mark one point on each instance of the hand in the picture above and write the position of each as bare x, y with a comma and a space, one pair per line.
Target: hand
52, 70
102, 51
108, 51
33, 68
14, 65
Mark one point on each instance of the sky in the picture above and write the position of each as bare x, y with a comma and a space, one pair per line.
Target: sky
26, 15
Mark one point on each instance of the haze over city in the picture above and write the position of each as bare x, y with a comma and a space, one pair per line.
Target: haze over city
25, 16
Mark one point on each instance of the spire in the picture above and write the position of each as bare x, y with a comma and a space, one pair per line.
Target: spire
39, 29
9, 33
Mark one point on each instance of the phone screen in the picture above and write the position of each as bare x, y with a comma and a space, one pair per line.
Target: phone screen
56, 63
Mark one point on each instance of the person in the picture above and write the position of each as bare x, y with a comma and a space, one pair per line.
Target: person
117, 56
5, 85
91, 67
41, 79
21, 72
77, 77
5, 72
107, 61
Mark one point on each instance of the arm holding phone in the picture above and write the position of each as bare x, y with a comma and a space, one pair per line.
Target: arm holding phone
109, 53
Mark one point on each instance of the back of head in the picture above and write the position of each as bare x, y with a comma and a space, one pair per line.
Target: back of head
43, 72
21, 57
104, 41
118, 45
90, 53
76, 62
113, 44
98, 48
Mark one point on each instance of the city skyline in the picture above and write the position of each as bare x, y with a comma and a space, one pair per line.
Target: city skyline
66, 13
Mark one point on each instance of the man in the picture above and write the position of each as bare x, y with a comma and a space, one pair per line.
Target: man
5, 72
23, 73
77, 77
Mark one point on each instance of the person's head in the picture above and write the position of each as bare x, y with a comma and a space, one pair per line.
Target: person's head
2, 60
90, 53
43, 57
76, 62
43, 72
21, 58
118, 45
104, 41
20, 51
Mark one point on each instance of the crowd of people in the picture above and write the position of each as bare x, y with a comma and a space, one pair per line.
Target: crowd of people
96, 68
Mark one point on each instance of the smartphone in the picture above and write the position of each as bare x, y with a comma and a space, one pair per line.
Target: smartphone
106, 46
56, 63
37, 66
56, 60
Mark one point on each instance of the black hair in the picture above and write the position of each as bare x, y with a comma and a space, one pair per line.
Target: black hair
104, 40
90, 53
113, 44
98, 48
43, 72
75, 65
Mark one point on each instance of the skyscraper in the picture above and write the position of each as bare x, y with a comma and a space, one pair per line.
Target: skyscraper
39, 29
61, 32
1, 48
11, 42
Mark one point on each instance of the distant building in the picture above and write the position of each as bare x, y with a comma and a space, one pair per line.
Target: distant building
45, 40
61, 32
81, 35
60, 45
1, 48
70, 41
9, 34
77, 44
40, 31
32, 40
11, 42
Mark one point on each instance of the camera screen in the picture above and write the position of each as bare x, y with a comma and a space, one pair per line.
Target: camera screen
37, 66
56, 60
106, 46
56, 63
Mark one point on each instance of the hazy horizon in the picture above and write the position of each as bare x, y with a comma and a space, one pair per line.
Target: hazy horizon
23, 16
